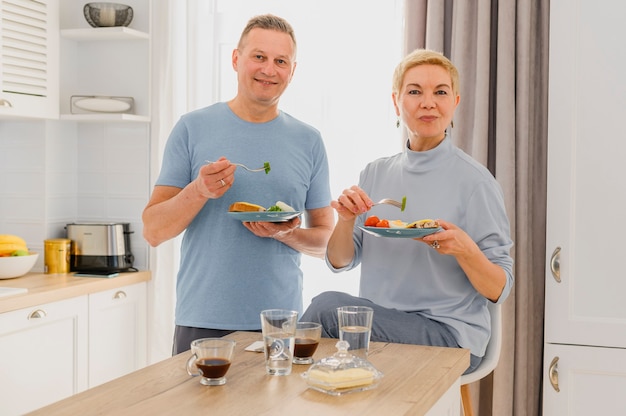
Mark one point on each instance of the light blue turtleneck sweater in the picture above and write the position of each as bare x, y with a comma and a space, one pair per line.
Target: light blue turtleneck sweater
442, 183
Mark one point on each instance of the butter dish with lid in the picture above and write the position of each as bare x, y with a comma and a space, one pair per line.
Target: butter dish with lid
342, 373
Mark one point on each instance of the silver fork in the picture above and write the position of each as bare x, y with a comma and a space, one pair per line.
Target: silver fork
393, 202
265, 168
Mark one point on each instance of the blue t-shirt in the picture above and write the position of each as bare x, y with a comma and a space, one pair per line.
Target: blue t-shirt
408, 275
227, 274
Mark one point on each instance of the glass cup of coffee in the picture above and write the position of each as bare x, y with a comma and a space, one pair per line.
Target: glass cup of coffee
210, 359
308, 336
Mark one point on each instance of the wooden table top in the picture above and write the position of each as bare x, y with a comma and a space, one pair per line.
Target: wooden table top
414, 379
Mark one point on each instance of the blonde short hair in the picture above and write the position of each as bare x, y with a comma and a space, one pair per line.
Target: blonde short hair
424, 57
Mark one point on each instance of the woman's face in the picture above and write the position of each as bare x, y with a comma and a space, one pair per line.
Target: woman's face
426, 104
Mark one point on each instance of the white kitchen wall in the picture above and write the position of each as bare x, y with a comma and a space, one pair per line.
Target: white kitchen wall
37, 181
56, 172
113, 177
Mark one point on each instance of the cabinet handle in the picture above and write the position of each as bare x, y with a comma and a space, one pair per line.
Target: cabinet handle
5, 103
555, 264
553, 372
38, 314
120, 294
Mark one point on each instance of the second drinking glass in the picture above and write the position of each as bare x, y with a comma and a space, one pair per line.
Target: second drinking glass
355, 327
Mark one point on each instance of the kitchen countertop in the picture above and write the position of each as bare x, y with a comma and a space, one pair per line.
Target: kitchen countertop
45, 288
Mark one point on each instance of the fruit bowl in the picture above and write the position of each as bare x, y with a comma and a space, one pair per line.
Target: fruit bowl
108, 14
16, 266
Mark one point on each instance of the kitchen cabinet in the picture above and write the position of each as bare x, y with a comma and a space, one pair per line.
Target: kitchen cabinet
43, 354
105, 62
29, 59
585, 321
117, 332
591, 380
67, 334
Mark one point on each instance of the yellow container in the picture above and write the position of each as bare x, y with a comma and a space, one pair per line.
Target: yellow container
57, 255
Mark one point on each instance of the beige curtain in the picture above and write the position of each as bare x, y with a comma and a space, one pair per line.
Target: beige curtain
501, 51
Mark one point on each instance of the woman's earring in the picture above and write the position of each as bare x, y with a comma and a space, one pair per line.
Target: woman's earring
398, 123
452, 123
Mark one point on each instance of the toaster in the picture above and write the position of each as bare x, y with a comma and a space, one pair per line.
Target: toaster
100, 247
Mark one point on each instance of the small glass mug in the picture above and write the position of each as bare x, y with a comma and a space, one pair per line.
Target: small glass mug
308, 336
211, 359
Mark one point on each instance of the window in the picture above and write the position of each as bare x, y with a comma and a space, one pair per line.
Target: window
347, 51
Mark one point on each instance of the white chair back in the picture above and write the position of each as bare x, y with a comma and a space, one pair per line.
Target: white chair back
492, 355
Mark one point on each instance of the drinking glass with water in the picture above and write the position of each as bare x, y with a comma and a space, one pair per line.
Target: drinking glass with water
279, 332
355, 327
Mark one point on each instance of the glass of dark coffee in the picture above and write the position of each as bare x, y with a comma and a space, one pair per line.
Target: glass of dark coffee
308, 336
210, 359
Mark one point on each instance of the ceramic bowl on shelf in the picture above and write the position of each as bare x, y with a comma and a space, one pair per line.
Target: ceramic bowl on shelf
108, 14
16, 266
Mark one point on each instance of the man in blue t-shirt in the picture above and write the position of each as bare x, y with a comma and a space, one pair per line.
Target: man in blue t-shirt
231, 270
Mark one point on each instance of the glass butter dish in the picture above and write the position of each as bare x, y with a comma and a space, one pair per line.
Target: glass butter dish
342, 373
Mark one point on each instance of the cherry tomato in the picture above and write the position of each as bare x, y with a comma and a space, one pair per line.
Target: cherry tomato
372, 221
383, 224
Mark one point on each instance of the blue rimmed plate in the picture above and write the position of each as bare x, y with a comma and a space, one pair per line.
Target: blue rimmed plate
400, 232
265, 216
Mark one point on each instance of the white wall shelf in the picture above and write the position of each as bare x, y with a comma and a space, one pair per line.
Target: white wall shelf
104, 33
105, 117
107, 61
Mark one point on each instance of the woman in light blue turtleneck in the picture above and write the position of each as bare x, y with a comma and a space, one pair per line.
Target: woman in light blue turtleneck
434, 290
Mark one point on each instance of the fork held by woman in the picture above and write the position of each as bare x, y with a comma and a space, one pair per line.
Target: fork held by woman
393, 202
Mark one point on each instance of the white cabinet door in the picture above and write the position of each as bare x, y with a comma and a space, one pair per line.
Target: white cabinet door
43, 355
585, 321
29, 59
586, 174
117, 332
591, 380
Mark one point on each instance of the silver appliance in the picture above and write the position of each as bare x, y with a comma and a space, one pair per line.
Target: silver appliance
100, 247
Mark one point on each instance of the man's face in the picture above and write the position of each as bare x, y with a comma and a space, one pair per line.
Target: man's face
265, 64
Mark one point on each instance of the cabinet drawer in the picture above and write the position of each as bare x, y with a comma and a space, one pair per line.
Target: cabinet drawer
581, 380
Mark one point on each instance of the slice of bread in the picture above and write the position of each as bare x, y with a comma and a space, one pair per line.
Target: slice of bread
245, 207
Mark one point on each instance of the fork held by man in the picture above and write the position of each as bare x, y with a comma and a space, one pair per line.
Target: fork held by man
266, 167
